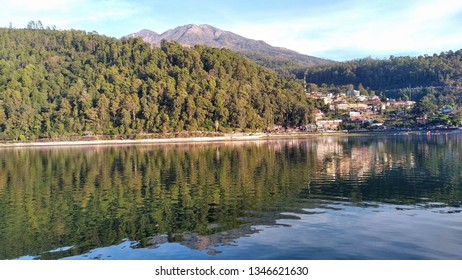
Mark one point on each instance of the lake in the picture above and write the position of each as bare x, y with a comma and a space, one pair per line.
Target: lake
375, 197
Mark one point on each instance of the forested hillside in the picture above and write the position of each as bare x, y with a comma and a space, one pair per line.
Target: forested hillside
69, 83
393, 73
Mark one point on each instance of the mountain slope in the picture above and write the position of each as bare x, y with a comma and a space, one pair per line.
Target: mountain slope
257, 50
146, 34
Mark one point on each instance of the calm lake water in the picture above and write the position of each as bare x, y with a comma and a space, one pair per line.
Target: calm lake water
387, 197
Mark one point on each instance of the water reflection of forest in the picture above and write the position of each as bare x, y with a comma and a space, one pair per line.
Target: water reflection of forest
201, 195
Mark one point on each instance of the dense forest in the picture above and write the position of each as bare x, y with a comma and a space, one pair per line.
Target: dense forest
284, 67
444, 70
69, 83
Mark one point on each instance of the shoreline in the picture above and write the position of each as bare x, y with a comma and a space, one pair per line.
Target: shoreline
133, 141
167, 140
208, 139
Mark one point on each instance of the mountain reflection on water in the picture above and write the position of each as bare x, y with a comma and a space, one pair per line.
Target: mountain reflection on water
393, 197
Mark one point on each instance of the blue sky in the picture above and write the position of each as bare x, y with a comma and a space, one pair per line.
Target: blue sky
339, 29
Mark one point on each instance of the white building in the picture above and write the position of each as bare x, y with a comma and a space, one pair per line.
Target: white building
353, 93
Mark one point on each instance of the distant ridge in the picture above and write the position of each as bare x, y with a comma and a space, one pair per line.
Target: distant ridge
146, 34
257, 50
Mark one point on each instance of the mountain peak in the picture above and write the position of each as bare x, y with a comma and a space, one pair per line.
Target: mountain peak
196, 26
145, 34
204, 34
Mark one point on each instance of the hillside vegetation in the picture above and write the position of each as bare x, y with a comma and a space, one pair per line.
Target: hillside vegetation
69, 83
440, 70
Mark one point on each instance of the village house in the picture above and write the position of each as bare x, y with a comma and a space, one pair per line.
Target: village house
376, 105
406, 104
353, 93
361, 98
318, 114
328, 124
354, 116
327, 100
352, 106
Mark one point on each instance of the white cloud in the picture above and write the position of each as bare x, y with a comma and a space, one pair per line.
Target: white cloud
65, 14
367, 29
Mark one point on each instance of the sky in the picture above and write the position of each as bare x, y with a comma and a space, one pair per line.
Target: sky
339, 30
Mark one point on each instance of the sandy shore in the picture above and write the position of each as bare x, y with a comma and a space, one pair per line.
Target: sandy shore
259, 136
224, 138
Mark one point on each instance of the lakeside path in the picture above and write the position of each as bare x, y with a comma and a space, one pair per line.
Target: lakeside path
169, 140
224, 138
237, 137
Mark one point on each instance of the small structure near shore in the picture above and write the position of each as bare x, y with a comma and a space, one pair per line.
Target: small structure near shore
328, 124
